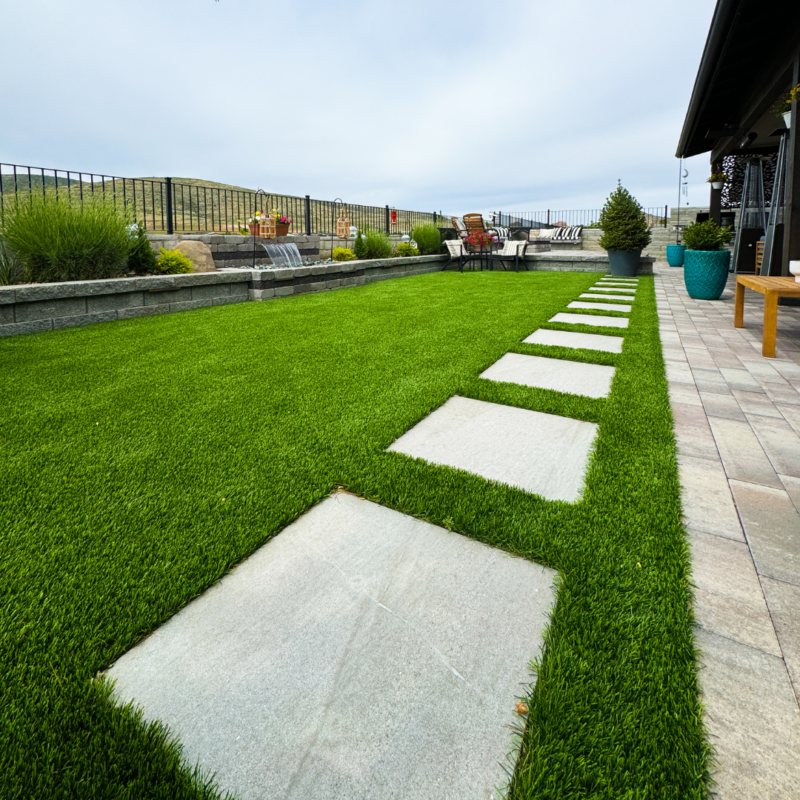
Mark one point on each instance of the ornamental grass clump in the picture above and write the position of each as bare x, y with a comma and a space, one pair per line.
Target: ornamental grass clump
379, 245
58, 240
428, 239
706, 236
624, 223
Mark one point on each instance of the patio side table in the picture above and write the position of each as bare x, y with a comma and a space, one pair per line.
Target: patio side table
772, 289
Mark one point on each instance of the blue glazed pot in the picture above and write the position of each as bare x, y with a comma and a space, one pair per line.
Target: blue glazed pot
705, 273
675, 254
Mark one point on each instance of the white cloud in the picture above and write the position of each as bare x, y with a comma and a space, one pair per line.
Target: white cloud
425, 105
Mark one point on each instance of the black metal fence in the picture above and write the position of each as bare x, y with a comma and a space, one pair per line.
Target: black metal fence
170, 206
656, 217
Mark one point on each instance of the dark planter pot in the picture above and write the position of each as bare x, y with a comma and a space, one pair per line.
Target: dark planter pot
705, 273
675, 254
624, 263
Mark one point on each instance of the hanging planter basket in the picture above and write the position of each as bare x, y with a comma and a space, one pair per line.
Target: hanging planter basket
717, 185
787, 119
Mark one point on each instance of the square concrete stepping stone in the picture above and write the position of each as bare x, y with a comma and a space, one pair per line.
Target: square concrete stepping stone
540, 453
575, 377
616, 288
626, 297
588, 341
590, 319
360, 653
624, 308
626, 285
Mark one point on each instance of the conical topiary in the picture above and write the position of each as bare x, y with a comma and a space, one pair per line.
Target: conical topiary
360, 245
623, 222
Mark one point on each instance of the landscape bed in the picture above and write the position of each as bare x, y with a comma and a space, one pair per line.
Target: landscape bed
144, 458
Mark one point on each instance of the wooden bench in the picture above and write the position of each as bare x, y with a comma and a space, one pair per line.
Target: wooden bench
772, 289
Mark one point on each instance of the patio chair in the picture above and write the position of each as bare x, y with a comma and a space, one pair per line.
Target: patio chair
457, 250
461, 228
474, 223
512, 250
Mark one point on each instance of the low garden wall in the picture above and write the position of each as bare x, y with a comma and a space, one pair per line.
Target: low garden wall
580, 261
32, 308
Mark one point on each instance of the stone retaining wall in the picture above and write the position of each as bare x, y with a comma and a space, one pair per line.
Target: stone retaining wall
237, 251
39, 307
580, 261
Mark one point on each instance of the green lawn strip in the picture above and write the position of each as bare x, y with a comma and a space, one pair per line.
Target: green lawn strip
143, 459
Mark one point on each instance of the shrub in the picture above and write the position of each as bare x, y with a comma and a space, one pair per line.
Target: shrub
10, 270
406, 249
343, 254
173, 262
360, 246
428, 239
142, 259
379, 245
60, 241
706, 236
623, 222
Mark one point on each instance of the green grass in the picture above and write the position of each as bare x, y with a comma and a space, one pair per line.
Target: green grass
143, 459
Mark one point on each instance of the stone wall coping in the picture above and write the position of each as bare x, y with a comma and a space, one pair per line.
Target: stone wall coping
30, 292
578, 255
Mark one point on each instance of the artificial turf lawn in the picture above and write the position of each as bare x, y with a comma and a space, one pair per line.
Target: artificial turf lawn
143, 459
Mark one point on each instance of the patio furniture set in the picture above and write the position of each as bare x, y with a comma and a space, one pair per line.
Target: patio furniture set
514, 241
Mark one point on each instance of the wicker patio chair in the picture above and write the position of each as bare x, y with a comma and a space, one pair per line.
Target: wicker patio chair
461, 228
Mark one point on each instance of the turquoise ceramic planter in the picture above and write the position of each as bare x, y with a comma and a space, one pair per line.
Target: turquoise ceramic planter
705, 273
675, 254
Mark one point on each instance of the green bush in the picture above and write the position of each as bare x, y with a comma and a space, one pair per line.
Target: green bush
428, 239
623, 222
706, 236
406, 249
60, 241
10, 269
360, 246
342, 254
379, 245
173, 262
142, 259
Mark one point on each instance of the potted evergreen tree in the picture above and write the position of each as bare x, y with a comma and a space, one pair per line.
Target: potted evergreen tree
625, 232
705, 265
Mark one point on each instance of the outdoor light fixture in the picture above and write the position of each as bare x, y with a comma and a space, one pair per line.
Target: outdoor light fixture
353, 231
413, 243
405, 238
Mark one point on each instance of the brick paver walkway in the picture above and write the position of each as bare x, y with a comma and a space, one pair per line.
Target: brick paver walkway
737, 423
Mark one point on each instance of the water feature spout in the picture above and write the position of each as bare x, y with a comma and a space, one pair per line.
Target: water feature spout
284, 255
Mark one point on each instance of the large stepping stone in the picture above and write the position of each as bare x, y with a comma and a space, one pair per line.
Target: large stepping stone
588, 341
615, 289
626, 297
624, 308
540, 453
361, 653
616, 283
575, 377
590, 319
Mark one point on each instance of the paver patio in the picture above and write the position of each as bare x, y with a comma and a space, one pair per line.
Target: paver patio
337, 660
737, 423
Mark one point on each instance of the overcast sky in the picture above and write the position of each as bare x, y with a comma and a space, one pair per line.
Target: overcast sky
421, 104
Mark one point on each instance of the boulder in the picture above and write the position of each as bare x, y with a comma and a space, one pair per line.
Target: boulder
199, 254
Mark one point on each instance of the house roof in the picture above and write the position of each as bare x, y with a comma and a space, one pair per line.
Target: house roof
748, 45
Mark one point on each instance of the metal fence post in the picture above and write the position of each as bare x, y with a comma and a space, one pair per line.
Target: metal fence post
387, 219
666, 209
434, 218
548, 216
308, 215
170, 226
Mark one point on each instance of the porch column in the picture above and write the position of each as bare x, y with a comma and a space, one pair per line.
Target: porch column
715, 201
791, 231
